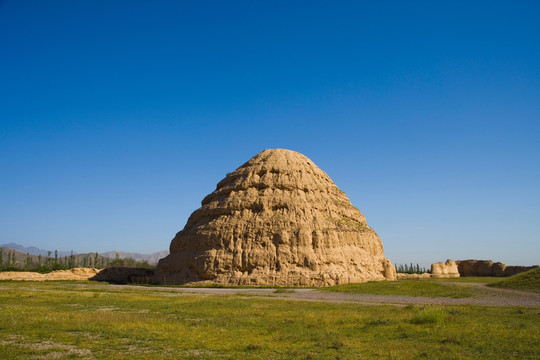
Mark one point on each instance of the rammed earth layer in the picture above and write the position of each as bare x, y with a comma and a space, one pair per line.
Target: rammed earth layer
276, 220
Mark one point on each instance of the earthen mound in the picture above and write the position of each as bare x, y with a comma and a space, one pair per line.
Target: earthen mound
449, 269
80, 274
473, 267
276, 220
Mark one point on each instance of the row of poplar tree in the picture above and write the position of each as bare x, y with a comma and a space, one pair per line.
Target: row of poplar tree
411, 269
8, 262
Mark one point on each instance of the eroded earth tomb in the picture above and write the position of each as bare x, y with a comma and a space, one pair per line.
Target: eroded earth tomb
276, 220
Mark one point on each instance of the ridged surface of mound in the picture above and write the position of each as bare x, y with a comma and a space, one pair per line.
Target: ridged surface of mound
276, 220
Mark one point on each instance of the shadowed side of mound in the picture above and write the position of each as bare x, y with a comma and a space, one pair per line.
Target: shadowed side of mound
125, 275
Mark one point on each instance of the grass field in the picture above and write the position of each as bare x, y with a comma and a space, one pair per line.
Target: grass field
66, 320
425, 288
528, 281
443, 287
468, 279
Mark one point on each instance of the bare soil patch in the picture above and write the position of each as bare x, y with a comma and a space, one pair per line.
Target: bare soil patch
484, 296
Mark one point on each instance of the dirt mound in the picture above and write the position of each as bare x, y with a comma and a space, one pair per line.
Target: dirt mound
119, 274
276, 220
72, 274
449, 269
473, 267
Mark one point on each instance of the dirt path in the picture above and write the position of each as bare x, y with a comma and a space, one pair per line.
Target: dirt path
486, 296
483, 295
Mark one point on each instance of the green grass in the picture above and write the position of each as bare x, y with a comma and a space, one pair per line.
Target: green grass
527, 281
435, 315
425, 288
86, 320
467, 279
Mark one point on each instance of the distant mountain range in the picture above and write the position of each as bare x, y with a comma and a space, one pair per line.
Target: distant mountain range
152, 259
32, 250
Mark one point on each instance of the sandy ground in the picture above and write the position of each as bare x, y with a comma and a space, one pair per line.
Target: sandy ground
78, 274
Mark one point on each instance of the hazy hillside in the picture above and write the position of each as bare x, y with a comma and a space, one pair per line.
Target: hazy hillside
14, 259
20, 257
152, 259
32, 250
21, 250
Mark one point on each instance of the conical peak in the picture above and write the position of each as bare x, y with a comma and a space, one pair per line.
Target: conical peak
277, 155
280, 179
277, 169
277, 219
279, 159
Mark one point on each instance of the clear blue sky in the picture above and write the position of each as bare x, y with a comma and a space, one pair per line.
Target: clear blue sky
118, 117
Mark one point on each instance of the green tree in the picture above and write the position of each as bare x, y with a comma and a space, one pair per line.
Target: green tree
71, 260
28, 262
57, 265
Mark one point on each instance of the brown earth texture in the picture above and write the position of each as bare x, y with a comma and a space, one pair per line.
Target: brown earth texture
276, 220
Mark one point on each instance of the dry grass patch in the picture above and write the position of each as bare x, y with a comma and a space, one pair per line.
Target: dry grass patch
67, 321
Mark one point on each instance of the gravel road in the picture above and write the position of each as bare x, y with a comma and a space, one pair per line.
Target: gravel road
484, 296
